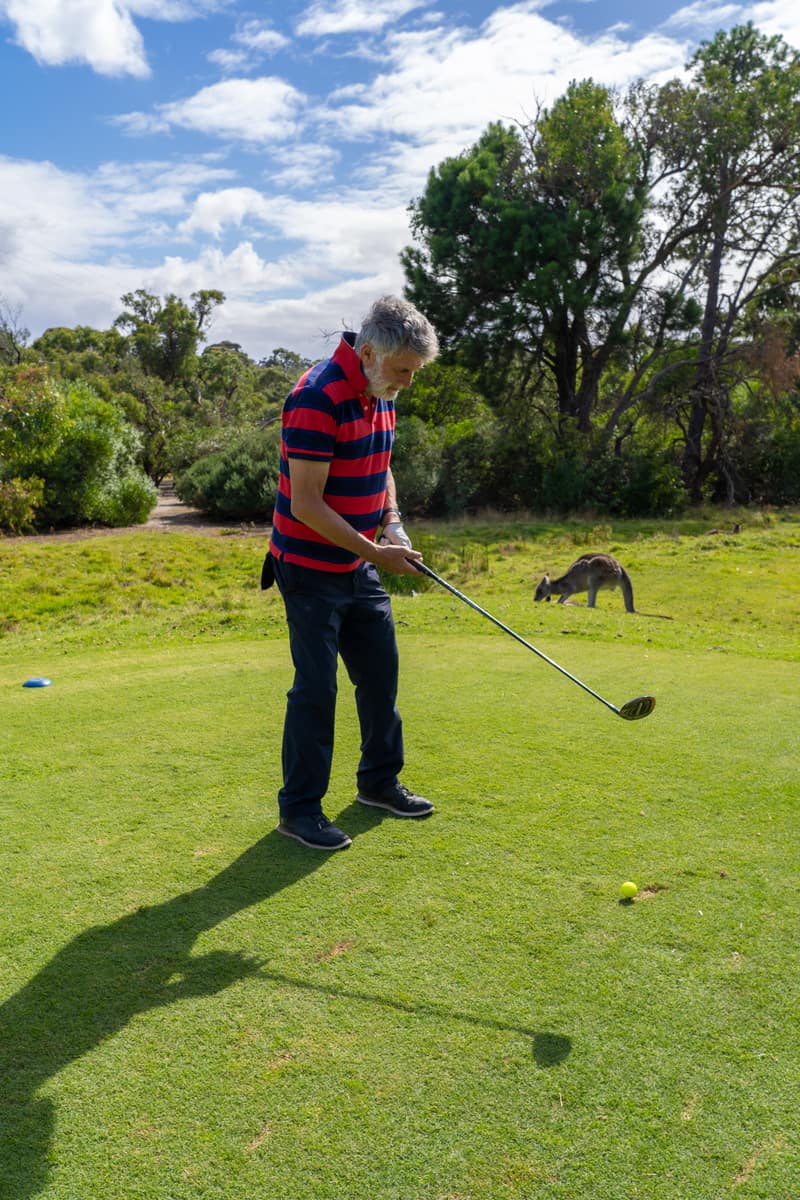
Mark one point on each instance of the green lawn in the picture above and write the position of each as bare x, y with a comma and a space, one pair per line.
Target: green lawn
457, 1009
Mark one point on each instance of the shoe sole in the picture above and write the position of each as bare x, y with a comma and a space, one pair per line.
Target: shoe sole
314, 845
396, 812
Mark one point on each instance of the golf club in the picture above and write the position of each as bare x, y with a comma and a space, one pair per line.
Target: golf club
634, 710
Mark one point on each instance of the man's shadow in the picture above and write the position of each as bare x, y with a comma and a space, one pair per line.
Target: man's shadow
108, 974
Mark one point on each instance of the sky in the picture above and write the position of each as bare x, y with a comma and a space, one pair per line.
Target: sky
272, 150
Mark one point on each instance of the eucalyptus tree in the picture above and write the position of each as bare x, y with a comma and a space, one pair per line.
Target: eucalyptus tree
165, 334
537, 260
525, 244
731, 134
163, 337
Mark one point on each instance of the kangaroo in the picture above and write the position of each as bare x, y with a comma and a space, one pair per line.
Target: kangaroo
589, 573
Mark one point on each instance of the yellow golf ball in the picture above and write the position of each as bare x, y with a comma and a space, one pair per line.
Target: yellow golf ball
628, 890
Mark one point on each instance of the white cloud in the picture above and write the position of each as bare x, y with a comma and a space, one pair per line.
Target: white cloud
261, 37
230, 61
99, 33
352, 16
247, 110
242, 271
255, 40
77, 237
215, 212
308, 322
778, 17
325, 237
781, 17
305, 165
443, 86
80, 238
701, 16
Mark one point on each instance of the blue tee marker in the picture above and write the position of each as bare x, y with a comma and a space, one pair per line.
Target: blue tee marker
37, 681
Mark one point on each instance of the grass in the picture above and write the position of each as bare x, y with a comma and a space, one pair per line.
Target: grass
461, 1009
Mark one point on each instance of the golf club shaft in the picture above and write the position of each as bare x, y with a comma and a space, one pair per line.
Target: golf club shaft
460, 595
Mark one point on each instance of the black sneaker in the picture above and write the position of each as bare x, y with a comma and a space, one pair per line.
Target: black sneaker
317, 832
397, 800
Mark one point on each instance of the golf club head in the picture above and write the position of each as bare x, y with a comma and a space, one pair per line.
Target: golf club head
640, 707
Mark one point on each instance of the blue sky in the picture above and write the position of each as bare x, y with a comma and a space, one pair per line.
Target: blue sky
271, 150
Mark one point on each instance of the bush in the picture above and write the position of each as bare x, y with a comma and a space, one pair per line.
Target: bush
93, 475
466, 478
239, 481
126, 499
32, 418
638, 484
767, 457
73, 454
19, 500
416, 464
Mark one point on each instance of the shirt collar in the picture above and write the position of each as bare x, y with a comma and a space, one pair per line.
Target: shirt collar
346, 357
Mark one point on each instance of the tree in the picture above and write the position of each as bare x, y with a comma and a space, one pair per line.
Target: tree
99, 355
165, 334
13, 335
528, 241
163, 338
227, 379
734, 132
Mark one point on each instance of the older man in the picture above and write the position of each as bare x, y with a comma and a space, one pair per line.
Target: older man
336, 490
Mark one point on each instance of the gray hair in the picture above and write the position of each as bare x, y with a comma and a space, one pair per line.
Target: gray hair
394, 324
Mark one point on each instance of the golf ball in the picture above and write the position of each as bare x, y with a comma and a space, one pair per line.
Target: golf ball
628, 890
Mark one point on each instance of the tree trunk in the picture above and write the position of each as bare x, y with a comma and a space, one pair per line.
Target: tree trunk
695, 468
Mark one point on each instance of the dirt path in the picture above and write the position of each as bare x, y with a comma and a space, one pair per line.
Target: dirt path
172, 513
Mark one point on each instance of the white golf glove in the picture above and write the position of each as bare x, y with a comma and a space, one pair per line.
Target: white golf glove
394, 533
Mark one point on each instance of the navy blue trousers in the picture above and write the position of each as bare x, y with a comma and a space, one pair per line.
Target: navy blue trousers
331, 614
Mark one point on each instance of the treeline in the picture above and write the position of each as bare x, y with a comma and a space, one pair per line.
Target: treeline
616, 285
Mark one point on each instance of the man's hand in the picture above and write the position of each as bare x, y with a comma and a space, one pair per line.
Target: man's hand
394, 533
397, 559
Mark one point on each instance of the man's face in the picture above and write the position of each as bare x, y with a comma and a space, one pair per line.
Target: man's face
391, 373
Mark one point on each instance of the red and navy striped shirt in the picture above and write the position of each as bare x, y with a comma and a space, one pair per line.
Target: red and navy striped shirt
329, 418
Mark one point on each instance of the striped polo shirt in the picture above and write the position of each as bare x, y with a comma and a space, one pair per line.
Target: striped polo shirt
329, 418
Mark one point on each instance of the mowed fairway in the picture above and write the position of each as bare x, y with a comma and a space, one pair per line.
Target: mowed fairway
457, 1009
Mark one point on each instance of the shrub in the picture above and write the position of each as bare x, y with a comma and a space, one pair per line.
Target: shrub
466, 477
19, 500
239, 481
641, 483
73, 454
32, 418
125, 499
94, 467
767, 456
416, 464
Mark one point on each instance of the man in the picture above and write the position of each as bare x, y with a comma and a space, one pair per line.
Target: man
336, 489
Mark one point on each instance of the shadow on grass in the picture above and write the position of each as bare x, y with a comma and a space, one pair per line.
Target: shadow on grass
109, 974
550, 1049
425, 1008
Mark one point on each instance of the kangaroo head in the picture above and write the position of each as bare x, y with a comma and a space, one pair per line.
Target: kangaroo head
543, 590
